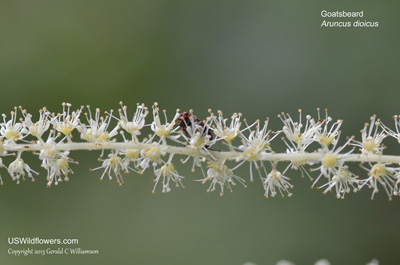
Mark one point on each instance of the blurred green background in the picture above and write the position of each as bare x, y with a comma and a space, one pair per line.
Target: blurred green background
254, 57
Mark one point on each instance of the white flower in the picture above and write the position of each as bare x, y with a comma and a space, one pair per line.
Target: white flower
256, 144
198, 134
152, 155
371, 138
58, 167
396, 190
219, 173
131, 156
326, 136
2, 151
18, 169
12, 130
300, 136
66, 121
390, 132
332, 161
343, 181
50, 152
55, 162
38, 128
164, 130
96, 131
275, 180
113, 164
298, 164
1, 165
253, 147
197, 162
168, 173
222, 130
138, 120
197, 140
382, 174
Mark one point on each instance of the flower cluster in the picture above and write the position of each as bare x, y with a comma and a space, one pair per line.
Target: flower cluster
312, 145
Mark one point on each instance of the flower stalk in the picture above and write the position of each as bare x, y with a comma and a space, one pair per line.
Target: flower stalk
209, 144
223, 155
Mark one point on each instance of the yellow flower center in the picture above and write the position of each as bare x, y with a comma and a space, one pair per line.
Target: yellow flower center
344, 173
298, 138
163, 131
66, 128
198, 142
274, 174
131, 153
153, 153
63, 164
378, 170
229, 136
11, 134
330, 160
325, 140
103, 137
369, 145
51, 153
298, 163
167, 169
34, 129
89, 135
115, 161
251, 154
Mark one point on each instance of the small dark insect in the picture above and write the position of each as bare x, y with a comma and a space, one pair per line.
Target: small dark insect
187, 119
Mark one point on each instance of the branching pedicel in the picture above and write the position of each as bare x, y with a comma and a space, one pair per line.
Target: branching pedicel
185, 135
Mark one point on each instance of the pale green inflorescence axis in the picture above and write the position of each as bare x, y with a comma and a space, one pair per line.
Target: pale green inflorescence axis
311, 145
